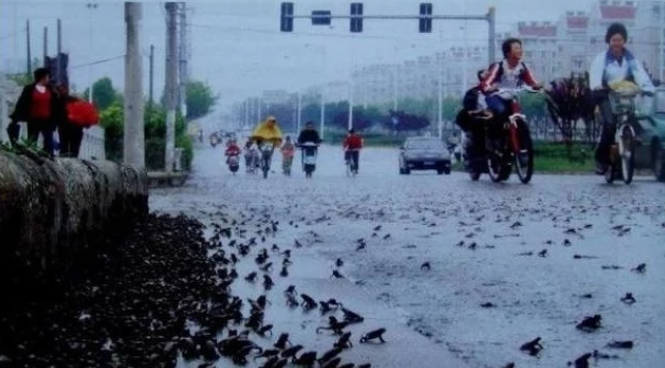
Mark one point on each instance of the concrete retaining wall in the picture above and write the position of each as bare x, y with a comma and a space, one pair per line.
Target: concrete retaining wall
52, 210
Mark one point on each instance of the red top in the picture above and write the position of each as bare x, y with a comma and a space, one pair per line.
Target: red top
41, 105
353, 142
233, 150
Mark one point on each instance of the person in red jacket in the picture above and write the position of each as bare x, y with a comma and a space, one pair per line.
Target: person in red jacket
232, 149
40, 106
352, 146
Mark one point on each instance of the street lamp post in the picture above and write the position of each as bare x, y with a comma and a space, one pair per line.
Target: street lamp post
323, 114
91, 6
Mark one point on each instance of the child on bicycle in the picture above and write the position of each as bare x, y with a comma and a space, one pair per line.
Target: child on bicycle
352, 146
288, 151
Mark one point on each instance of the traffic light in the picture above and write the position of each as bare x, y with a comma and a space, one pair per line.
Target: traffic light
286, 20
425, 18
356, 17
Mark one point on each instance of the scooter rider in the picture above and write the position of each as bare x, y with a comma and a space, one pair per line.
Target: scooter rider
309, 135
232, 150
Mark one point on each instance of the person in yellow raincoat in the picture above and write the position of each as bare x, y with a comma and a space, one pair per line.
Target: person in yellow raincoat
267, 132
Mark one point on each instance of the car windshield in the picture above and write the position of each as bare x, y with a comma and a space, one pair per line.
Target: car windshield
422, 144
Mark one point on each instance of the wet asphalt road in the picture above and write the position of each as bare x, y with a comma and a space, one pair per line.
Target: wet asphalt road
482, 241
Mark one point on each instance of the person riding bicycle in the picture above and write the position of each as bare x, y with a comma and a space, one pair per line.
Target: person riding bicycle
352, 146
288, 151
511, 72
251, 156
614, 65
267, 132
309, 135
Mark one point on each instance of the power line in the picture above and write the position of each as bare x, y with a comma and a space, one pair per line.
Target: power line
101, 61
17, 33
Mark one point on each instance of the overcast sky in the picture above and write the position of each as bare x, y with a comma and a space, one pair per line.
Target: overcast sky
237, 46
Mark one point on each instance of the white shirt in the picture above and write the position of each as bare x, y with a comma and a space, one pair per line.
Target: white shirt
606, 69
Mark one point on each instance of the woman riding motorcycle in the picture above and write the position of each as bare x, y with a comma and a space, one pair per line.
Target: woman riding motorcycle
615, 65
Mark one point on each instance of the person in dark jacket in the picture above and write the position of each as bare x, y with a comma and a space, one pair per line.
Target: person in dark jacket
40, 107
469, 119
309, 134
70, 134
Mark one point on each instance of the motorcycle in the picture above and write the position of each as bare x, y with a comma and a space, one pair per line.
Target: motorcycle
266, 158
622, 150
214, 140
506, 146
233, 161
309, 154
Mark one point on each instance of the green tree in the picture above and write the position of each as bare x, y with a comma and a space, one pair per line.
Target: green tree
199, 99
104, 95
112, 120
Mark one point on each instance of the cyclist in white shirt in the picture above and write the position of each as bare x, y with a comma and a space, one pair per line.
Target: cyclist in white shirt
617, 64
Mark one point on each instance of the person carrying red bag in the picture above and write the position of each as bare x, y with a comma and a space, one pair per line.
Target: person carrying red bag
80, 115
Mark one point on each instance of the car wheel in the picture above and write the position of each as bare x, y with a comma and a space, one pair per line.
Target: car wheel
658, 161
446, 171
440, 171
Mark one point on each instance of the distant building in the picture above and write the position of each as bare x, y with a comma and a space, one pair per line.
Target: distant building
573, 35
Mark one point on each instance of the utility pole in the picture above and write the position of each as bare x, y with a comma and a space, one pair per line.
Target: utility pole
246, 121
27, 29
133, 139
171, 82
58, 64
184, 55
45, 44
258, 108
151, 94
661, 41
299, 117
395, 88
440, 98
323, 114
350, 123
491, 20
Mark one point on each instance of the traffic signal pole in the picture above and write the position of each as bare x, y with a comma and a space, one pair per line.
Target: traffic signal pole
425, 17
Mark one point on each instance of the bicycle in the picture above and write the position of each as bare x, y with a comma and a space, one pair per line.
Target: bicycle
350, 161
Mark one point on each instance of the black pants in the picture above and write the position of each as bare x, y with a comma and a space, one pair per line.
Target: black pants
355, 156
45, 127
70, 140
13, 131
601, 99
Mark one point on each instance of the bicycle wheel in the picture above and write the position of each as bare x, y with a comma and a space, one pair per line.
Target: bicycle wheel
524, 158
626, 153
